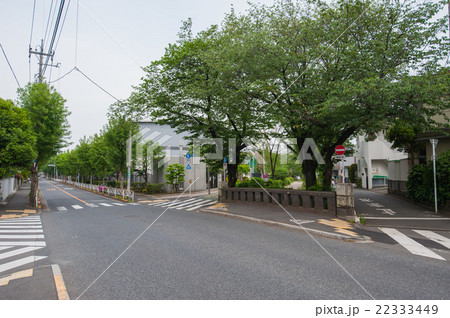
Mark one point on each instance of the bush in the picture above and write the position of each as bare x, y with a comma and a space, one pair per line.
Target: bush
155, 188
420, 185
352, 172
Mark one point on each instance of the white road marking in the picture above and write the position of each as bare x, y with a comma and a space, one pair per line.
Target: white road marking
20, 251
62, 208
21, 223
184, 204
410, 244
105, 204
20, 262
20, 226
23, 243
201, 205
119, 204
22, 231
159, 203
435, 237
375, 205
4, 247
37, 236
387, 211
77, 207
133, 203
91, 205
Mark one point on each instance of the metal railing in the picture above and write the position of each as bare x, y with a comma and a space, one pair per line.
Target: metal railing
126, 194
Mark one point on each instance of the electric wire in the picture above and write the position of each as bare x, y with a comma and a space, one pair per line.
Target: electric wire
48, 20
62, 25
76, 35
10, 66
104, 30
55, 30
31, 39
87, 77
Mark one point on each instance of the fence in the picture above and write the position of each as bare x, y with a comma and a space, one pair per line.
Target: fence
102, 189
318, 201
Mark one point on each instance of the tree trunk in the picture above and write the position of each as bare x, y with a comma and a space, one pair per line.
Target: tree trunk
232, 175
121, 179
327, 175
309, 171
34, 185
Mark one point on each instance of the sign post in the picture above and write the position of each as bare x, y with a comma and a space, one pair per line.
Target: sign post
340, 151
189, 168
434, 143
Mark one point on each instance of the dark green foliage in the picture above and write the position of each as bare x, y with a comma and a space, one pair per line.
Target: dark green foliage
17, 140
420, 185
352, 172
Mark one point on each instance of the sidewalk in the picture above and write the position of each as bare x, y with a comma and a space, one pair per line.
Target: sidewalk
271, 214
17, 205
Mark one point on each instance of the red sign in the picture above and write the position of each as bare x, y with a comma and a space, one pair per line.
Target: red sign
340, 150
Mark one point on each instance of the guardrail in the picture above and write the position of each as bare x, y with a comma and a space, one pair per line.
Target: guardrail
101, 189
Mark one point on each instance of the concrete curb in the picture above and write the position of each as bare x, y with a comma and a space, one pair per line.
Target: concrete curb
44, 205
292, 227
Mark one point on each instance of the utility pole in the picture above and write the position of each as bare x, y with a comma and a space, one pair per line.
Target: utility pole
41, 55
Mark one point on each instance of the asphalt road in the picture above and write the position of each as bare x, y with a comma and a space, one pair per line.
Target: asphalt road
119, 252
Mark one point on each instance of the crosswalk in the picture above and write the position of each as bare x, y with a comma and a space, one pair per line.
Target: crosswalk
20, 239
426, 243
92, 205
184, 204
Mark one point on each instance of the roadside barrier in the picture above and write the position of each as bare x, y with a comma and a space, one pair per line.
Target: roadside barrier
316, 201
101, 189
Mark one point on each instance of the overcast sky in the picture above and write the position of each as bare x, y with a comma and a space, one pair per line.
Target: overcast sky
139, 31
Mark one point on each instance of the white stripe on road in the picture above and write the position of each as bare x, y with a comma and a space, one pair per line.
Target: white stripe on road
119, 204
183, 205
37, 236
435, 237
24, 243
22, 223
91, 205
62, 208
201, 205
20, 262
105, 204
4, 247
410, 244
20, 226
133, 204
22, 231
20, 251
77, 207
158, 203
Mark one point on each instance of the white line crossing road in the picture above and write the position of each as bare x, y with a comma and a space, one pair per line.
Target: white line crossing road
415, 247
18, 244
185, 204
92, 205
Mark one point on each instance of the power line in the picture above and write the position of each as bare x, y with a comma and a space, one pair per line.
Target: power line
104, 30
77, 69
62, 25
48, 20
31, 38
10, 66
55, 30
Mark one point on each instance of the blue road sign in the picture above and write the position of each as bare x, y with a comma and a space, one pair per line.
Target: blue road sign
188, 155
188, 167
225, 160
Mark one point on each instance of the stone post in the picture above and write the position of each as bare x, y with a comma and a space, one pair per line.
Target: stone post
345, 200
221, 185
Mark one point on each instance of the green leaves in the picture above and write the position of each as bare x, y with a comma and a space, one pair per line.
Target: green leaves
46, 110
17, 140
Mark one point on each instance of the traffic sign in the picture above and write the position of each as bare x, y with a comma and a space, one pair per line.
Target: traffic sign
188, 167
225, 160
340, 150
188, 155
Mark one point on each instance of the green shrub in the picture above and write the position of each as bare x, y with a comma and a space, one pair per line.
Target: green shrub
352, 172
420, 185
155, 188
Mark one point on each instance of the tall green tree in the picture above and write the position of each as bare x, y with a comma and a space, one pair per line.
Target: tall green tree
46, 110
185, 89
17, 140
116, 134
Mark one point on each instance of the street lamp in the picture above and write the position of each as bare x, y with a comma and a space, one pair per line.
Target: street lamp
434, 143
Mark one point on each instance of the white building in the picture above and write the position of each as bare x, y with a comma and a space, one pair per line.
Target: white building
372, 157
175, 148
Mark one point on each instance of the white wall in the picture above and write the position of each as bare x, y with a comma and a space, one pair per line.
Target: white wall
7, 187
